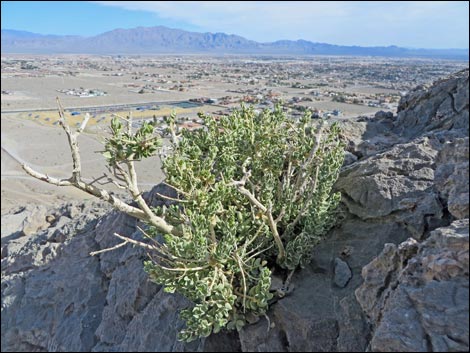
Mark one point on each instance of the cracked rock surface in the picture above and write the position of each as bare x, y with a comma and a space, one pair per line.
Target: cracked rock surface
416, 295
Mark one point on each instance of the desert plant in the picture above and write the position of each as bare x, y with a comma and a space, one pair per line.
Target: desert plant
254, 192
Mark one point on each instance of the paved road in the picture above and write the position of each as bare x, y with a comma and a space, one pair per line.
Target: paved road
105, 108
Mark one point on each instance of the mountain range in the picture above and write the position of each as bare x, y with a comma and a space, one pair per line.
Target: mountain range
164, 40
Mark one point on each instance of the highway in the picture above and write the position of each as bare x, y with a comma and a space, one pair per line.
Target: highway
107, 108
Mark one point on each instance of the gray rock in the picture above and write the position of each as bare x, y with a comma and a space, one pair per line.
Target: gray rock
384, 115
56, 297
349, 158
380, 276
60, 231
50, 290
11, 223
342, 273
397, 184
366, 136
440, 106
418, 300
293, 331
35, 221
452, 176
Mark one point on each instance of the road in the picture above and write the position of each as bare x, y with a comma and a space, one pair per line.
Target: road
105, 108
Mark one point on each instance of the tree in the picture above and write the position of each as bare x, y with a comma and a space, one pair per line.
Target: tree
253, 193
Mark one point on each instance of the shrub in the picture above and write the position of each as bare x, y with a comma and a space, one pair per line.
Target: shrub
254, 192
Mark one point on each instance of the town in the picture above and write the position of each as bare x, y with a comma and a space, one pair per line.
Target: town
154, 86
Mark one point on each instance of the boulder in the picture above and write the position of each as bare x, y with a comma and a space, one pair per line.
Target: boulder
437, 107
452, 176
416, 296
342, 273
35, 220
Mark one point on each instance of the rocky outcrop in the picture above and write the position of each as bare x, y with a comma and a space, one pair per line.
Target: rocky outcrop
52, 287
393, 275
402, 186
451, 176
417, 295
437, 107
396, 185
56, 297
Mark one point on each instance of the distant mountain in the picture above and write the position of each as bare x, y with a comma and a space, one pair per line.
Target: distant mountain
28, 42
163, 40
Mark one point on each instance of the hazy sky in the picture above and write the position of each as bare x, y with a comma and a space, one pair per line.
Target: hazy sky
417, 24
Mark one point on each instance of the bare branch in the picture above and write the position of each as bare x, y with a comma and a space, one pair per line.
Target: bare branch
114, 182
143, 212
281, 215
242, 271
129, 124
61, 109
136, 242
126, 241
85, 121
277, 239
251, 197
301, 173
171, 198
46, 178
265, 210
179, 191
158, 222
120, 117
161, 248
93, 253
285, 286
97, 180
174, 136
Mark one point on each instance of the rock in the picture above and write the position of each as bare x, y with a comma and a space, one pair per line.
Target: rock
50, 219
440, 106
317, 303
293, 331
349, 158
353, 329
223, 342
397, 184
452, 176
367, 136
417, 297
73, 209
381, 275
384, 115
342, 273
59, 233
12, 223
35, 221
50, 290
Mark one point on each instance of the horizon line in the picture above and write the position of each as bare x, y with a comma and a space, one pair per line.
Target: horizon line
233, 34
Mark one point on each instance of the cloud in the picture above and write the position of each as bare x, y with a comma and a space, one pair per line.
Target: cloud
406, 23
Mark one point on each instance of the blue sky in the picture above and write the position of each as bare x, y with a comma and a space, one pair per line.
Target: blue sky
415, 24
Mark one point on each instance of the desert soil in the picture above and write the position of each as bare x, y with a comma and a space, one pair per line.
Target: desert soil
45, 149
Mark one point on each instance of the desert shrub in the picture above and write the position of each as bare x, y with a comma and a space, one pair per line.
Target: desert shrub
255, 191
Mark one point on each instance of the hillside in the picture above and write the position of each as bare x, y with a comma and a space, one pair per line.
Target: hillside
392, 277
